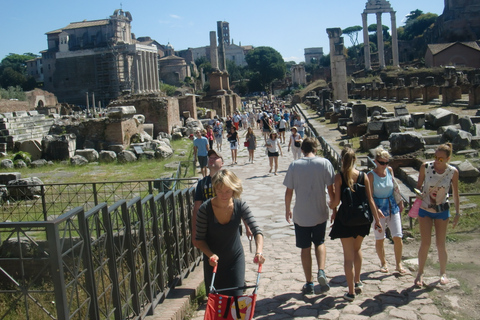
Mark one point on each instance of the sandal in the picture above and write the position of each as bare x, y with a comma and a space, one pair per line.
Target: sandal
384, 269
444, 280
419, 281
401, 271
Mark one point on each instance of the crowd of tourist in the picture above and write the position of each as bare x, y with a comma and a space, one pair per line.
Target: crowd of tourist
317, 190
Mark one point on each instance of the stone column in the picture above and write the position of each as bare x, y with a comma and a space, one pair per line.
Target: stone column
221, 48
366, 42
393, 19
338, 65
155, 67
148, 72
381, 52
213, 50
138, 72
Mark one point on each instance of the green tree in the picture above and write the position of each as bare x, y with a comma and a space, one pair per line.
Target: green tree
203, 63
13, 71
352, 33
235, 71
416, 25
267, 65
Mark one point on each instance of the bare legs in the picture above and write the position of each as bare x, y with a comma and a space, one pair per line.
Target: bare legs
426, 225
250, 155
352, 261
234, 156
271, 160
306, 256
397, 248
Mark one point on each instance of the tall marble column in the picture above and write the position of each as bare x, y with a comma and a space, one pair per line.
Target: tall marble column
222, 64
396, 62
338, 65
213, 50
381, 50
366, 42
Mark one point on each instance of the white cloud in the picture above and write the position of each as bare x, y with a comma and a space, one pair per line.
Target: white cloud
174, 16
294, 58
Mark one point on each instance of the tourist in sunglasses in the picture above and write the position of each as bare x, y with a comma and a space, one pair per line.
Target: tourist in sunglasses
434, 180
390, 213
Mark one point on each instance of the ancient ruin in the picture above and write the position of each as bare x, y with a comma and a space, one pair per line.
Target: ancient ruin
378, 7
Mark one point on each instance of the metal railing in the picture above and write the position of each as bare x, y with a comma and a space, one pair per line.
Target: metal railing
47, 201
328, 151
114, 262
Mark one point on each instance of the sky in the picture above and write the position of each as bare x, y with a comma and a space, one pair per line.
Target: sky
286, 26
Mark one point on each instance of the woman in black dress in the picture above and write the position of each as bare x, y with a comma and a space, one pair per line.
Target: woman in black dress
217, 233
351, 237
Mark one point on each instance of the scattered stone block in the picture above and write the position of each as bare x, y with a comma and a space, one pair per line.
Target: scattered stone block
405, 142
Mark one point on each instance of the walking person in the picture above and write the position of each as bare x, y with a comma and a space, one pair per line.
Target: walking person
295, 144
252, 143
209, 136
434, 181
232, 138
200, 150
218, 134
282, 125
351, 236
310, 177
266, 126
217, 235
300, 124
273, 146
389, 212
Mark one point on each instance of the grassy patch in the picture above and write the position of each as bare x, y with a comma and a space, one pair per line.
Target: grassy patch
141, 169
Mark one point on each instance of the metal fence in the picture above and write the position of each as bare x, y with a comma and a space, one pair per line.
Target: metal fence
114, 262
47, 201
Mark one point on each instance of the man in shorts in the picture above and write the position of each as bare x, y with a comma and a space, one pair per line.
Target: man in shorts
200, 149
310, 176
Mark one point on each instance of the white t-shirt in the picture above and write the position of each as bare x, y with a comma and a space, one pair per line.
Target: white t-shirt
309, 178
281, 124
273, 145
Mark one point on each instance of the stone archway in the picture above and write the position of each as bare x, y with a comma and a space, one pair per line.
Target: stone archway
40, 104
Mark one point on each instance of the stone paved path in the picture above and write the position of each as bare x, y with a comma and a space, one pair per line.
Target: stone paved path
385, 295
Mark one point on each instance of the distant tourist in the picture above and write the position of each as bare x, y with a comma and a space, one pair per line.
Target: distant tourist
251, 140
232, 138
295, 144
200, 150
273, 148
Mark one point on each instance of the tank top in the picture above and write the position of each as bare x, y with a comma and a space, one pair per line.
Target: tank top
383, 193
436, 186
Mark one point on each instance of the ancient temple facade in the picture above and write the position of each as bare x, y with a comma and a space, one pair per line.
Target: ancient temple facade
100, 57
378, 7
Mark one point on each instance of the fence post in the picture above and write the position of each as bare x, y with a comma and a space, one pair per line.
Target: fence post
87, 260
58, 276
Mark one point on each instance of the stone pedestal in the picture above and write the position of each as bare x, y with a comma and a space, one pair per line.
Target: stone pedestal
216, 83
474, 96
402, 94
430, 93
414, 93
450, 94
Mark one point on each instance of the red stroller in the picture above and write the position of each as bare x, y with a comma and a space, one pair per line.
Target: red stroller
221, 307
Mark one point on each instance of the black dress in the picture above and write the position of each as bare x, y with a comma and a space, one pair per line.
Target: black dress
224, 241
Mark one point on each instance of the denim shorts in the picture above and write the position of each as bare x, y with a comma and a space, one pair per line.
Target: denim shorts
444, 215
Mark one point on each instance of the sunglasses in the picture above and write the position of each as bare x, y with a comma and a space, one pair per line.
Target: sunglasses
439, 159
383, 163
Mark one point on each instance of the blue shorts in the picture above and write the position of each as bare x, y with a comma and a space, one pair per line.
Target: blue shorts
304, 236
444, 215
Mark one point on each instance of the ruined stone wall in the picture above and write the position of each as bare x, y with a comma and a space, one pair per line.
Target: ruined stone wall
189, 104
13, 106
163, 112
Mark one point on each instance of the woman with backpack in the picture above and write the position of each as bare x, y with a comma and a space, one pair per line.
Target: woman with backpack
390, 213
346, 181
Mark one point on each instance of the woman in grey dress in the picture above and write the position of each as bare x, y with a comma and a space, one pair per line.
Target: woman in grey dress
252, 144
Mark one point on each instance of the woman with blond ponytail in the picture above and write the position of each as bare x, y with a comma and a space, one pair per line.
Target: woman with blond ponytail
351, 237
